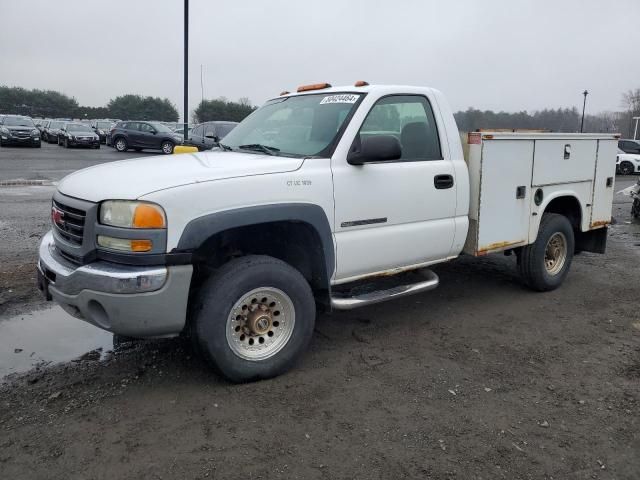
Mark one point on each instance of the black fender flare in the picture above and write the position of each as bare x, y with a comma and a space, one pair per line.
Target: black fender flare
200, 229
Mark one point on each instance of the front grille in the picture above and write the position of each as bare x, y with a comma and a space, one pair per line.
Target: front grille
21, 134
70, 225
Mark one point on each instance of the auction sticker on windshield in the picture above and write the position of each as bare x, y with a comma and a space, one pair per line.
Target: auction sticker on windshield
344, 98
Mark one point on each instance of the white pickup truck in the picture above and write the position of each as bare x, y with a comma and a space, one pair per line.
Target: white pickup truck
331, 198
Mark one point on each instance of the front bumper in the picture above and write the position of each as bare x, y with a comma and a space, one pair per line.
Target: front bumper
11, 140
149, 301
74, 142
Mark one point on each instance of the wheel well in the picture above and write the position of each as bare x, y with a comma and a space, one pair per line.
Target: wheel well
569, 207
296, 243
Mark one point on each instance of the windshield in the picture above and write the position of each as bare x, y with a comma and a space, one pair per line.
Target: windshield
303, 125
103, 125
161, 128
78, 127
56, 124
18, 122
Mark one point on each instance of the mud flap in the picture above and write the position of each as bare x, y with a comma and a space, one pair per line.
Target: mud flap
594, 241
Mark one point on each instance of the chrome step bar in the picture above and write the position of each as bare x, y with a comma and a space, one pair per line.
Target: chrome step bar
343, 302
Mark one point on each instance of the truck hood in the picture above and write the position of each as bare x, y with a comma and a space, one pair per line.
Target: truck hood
131, 179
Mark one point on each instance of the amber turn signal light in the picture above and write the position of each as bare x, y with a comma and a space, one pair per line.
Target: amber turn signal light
315, 86
148, 216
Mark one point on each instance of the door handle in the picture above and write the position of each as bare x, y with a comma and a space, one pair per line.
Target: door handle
443, 181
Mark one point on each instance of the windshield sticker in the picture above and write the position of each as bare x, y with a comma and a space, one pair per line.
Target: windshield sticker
345, 98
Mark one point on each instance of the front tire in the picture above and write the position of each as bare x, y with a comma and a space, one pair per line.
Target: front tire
626, 168
545, 263
167, 147
253, 318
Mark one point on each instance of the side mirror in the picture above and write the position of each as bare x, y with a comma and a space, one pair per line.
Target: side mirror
211, 136
377, 148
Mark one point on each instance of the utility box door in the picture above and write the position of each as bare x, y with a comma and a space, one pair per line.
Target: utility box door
504, 196
564, 161
603, 185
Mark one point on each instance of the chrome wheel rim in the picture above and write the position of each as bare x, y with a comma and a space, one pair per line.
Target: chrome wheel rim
555, 254
260, 324
120, 144
166, 148
627, 168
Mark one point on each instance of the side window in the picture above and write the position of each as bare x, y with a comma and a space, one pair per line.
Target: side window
197, 132
132, 126
210, 130
145, 128
410, 119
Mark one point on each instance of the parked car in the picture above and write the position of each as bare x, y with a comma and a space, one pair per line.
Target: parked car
356, 184
102, 127
52, 131
40, 123
77, 134
140, 135
206, 135
19, 130
629, 146
627, 163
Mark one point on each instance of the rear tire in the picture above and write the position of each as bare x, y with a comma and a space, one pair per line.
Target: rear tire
626, 168
273, 333
167, 147
545, 263
121, 144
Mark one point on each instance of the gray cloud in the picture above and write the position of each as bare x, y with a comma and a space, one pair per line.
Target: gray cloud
501, 55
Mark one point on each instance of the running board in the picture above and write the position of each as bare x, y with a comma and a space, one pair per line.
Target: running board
341, 301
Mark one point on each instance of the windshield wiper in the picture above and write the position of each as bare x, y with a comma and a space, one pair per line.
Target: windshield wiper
260, 148
224, 147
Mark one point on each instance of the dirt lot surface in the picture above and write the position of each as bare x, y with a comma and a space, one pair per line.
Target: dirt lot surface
480, 378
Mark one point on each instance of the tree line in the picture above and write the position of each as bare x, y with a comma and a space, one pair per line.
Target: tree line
52, 104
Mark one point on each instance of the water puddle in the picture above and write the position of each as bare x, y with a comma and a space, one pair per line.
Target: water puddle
44, 337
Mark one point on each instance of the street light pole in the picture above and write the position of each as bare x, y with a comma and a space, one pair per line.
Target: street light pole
584, 104
635, 130
185, 106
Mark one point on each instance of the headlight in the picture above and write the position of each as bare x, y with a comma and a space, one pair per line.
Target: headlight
130, 214
100, 132
35, 132
69, 135
177, 138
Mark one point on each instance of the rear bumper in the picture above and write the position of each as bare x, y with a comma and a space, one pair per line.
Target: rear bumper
148, 301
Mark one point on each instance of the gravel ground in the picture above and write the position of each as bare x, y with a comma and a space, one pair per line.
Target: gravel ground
480, 378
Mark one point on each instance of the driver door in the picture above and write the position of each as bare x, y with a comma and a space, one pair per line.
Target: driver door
397, 213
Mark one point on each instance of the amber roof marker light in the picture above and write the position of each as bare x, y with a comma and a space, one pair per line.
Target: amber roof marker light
361, 83
314, 86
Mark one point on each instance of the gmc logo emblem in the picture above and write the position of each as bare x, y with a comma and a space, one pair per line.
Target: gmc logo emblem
57, 216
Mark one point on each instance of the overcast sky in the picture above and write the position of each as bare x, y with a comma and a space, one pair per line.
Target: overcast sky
492, 54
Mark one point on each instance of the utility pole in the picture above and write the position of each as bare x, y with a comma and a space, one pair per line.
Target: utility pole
635, 130
201, 84
584, 104
186, 69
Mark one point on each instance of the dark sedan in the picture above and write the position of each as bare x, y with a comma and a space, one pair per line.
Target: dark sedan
52, 130
102, 127
206, 135
78, 135
18, 130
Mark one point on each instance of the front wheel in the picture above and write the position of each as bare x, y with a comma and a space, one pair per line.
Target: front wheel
253, 318
167, 147
545, 263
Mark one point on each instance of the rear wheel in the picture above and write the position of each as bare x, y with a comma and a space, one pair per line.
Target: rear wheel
253, 318
545, 263
167, 147
626, 168
121, 144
